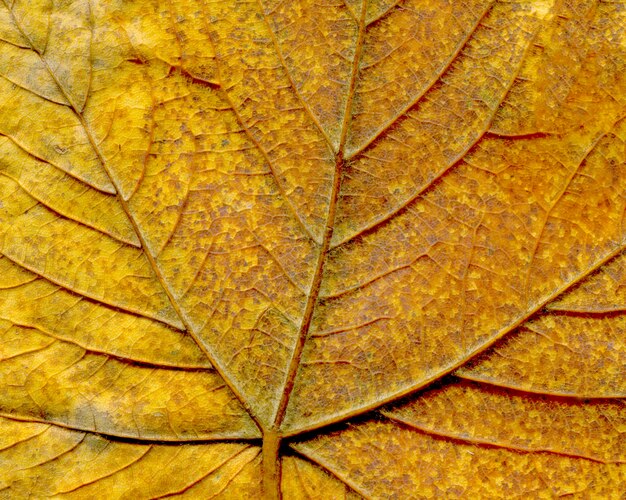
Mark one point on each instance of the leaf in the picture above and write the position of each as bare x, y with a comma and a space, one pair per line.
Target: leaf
312, 249
45, 460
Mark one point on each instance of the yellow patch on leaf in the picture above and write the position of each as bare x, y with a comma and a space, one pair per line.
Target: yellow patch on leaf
312, 249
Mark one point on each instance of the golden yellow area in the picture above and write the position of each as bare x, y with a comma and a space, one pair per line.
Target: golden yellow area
390, 460
41, 460
489, 415
312, 248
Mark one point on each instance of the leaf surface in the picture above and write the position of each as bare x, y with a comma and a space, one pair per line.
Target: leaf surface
240, 240
384, 459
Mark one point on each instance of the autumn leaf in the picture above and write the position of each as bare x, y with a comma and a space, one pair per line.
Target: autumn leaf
330, 249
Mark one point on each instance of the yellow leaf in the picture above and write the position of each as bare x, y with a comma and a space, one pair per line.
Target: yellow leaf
389, 460
42, 460
312, 249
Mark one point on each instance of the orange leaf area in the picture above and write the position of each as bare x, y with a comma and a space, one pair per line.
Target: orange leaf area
312, 249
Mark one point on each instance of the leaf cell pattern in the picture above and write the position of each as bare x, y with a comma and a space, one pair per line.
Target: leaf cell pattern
312, 249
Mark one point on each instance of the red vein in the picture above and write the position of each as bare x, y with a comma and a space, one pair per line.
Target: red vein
312, 298
272, 438
362, 284
529, 390
461, 361
416, 194
428, 87
328, 233
291, 81
422, 189
490, 443
548, 212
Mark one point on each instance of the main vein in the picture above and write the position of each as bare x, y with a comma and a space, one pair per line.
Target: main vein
316, 282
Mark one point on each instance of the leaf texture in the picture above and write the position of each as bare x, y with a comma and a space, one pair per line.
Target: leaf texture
44, 460
435, 467
333, 249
